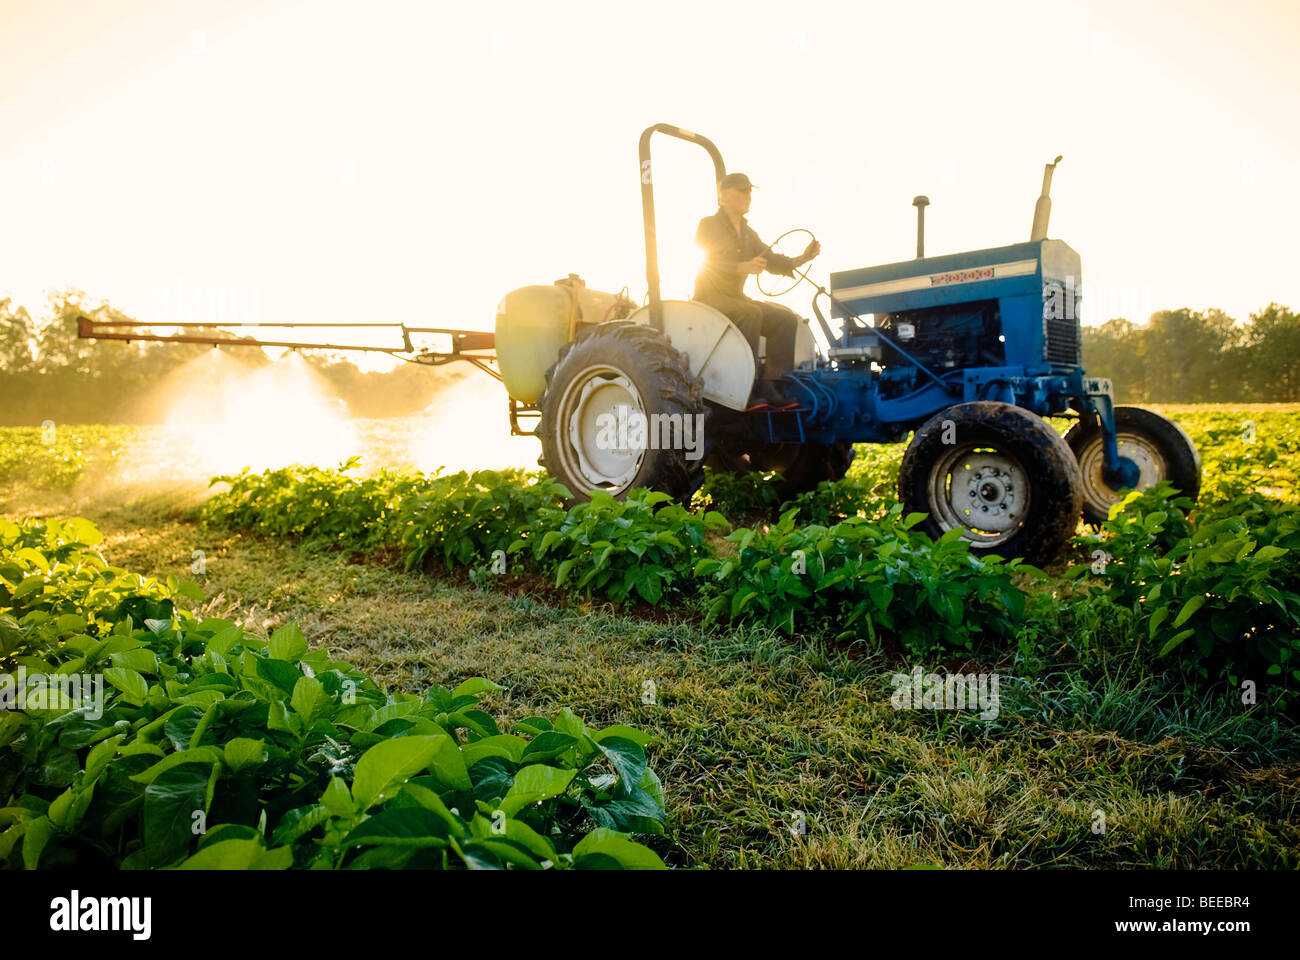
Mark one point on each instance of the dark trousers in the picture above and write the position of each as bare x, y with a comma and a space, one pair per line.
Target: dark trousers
754, 319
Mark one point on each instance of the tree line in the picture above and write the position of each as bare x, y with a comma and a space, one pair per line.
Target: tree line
1184, 356
47, 373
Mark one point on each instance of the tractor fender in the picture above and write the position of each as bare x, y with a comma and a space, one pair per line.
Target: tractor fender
718, 352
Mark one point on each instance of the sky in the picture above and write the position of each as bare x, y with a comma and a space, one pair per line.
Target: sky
385, 162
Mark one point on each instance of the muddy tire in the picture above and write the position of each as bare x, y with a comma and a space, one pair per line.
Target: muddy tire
1000, 473
1159, 448
596, 389
801, 465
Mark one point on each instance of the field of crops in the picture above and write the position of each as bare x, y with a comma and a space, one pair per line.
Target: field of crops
369, 665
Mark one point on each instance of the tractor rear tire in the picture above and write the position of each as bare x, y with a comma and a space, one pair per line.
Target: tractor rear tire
1161, 449
594, 389
802, 466
997, 471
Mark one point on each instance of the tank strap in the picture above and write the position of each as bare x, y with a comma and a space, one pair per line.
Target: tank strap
573, 283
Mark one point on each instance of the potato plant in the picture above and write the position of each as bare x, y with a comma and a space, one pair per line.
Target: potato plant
860, 576
1219, 594
214, 747
644, 545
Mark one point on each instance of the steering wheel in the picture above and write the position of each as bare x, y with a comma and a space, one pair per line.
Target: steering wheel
798, 276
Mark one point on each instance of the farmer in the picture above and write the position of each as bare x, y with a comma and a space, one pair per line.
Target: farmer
733, 252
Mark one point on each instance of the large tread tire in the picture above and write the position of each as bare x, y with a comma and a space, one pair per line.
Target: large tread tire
1025, 491
1159, 443
662, 377
801, 466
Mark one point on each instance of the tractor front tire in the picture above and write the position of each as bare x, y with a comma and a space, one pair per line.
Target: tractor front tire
1000, 473
595, 391
1159, 448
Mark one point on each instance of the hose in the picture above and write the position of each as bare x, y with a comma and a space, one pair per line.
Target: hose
850, 316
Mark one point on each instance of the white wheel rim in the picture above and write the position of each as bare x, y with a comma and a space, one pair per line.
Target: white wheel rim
981, 490
594, 449
1146, 456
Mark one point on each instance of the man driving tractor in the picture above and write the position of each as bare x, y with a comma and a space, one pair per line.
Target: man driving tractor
733, 251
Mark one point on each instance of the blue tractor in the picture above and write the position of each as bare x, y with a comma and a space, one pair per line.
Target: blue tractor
967, 352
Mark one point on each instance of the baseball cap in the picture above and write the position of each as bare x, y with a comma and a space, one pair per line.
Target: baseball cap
735, 181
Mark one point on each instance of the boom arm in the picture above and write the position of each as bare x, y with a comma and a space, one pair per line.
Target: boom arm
465, 344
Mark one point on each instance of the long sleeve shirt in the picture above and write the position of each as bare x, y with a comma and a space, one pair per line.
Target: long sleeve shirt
725, 250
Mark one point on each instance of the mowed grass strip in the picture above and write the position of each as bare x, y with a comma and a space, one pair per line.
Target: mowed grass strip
786, 752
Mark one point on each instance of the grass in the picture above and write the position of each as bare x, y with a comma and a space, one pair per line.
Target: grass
759, 733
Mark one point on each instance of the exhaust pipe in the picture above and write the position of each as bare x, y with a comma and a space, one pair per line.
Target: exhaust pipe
1043, 208
920, 203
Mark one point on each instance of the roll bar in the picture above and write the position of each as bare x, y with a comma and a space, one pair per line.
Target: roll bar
648, 205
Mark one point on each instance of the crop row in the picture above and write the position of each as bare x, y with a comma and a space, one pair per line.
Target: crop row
139, 735
1213, 595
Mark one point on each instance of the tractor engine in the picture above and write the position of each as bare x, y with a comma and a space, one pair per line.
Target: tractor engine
1014, 308
942, 338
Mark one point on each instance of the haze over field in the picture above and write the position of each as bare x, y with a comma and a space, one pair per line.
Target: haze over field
416, 161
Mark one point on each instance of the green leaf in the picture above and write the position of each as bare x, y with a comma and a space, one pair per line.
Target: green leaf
448, 766
1175, 640
243, 753
524, 835
278, 718
282, 674
191, 590
170, 803
391, 762
336, 798
1157, 618
639, 737
546, 745
569, 722
475, 686
299, 822
533, 784
601, 847
310, 700
649, 587
288, 644
562, 571
1189, 608
140, 659
405, 827
506, 745
29, 586
133, 686
432, 802
36, 834
239, 854
199, 755
626, 757
101, 754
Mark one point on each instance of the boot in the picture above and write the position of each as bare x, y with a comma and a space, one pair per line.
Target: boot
766, 395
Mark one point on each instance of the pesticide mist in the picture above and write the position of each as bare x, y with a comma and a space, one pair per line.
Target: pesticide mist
218, 414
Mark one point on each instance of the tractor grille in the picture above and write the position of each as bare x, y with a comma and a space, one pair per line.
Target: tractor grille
1061, 341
